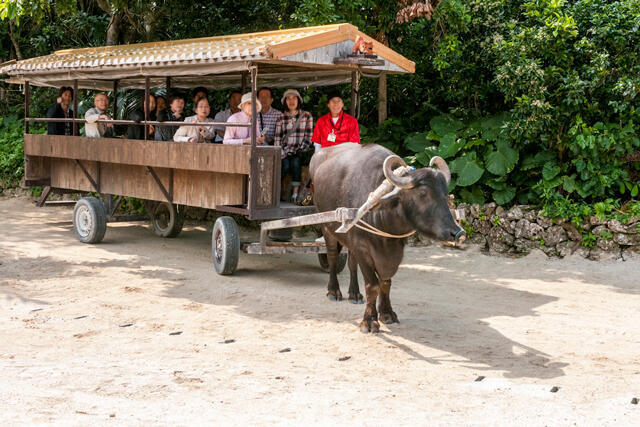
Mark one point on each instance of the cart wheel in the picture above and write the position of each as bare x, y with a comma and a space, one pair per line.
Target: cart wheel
324, 262
89, 220
225, 245
167, 219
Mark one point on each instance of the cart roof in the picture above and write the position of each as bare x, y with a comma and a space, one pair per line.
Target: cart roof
293, 57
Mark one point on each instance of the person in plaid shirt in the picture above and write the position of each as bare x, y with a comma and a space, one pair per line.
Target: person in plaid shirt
293, 133
267, 116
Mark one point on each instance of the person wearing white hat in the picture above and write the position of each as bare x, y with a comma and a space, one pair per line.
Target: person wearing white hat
234, 135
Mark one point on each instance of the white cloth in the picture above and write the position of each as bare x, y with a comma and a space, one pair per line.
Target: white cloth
185, 133
317, 146
91, 128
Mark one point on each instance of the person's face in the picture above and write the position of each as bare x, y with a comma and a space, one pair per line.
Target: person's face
234, 100
335, 105
292, 102
202, 109
265, 99
101, 102
66, 98
177, 106
246, 108
152, 103
199, 95
161, 104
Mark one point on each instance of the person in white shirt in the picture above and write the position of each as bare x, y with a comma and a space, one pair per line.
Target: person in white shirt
223, 116
98, 112
201, 133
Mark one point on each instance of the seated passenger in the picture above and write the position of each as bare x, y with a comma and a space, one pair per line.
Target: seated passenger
137, 131
222, 116
98, 112
235, 135
161, 104
200, 92
336, 126
61, 110
172, 114
267, 116
293, 133
196, 133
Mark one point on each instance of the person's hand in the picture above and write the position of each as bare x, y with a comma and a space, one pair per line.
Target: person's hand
260, 140
193, 139
59, 100
150, 128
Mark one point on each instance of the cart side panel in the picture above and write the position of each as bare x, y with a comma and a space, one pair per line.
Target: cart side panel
208, 189
184, 155
37, 170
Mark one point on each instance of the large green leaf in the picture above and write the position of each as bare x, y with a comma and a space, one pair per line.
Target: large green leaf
502, 161
549, 171
417, 142
473, 196
533, 162
450, 145
467, 169
502, 197
492, 126
445, 124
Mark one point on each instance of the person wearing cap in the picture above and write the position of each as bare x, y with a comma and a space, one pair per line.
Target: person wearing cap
222, 116
335, 127
235, 135
293, 132
267, 116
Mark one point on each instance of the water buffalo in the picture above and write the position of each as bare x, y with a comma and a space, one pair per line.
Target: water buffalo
344, 176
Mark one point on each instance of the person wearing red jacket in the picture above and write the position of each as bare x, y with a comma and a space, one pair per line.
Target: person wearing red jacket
335, 127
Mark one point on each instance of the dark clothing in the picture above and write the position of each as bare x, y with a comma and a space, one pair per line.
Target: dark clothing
59, 128
137, 131
292, 164
165, 133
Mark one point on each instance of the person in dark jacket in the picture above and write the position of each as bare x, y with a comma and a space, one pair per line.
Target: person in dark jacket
61, 110
137, 131
172, 114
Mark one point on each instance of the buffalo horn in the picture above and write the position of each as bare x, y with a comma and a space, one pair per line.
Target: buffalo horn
442, 166
399, 181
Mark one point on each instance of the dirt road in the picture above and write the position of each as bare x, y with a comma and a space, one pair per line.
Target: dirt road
140, 330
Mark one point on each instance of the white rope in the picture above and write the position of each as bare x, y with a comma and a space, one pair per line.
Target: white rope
371, 229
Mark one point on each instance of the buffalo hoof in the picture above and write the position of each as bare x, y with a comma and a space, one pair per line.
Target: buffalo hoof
369, 325
356, 299
389, 317
334, 295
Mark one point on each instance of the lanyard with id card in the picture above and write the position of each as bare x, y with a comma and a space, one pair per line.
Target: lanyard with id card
332, 135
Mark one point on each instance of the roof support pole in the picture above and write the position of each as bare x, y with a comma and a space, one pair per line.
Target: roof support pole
355, 92
167, 85
27, 101
244, 82
115, 99
382, 98
147, 83
253, 172
75, 107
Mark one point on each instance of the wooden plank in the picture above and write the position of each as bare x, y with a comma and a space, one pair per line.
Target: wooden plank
185, 155
340, 33
207, 189
36, 168
256, 249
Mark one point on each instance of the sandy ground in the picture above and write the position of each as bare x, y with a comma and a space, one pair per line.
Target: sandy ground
86, 336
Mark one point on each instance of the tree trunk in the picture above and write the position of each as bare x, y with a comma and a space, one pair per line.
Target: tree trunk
113, 30
12, 35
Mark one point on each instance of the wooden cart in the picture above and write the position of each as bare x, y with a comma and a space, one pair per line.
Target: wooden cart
242, 180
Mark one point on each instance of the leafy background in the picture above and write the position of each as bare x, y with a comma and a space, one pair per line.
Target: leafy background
530, 101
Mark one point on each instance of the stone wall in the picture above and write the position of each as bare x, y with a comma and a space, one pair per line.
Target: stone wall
521, 229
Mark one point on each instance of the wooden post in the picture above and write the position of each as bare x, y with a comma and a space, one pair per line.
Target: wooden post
253, 172
115, 99
167, 86
27, 99
355, 95
382, 98
75, 107
146, 106
244, 82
